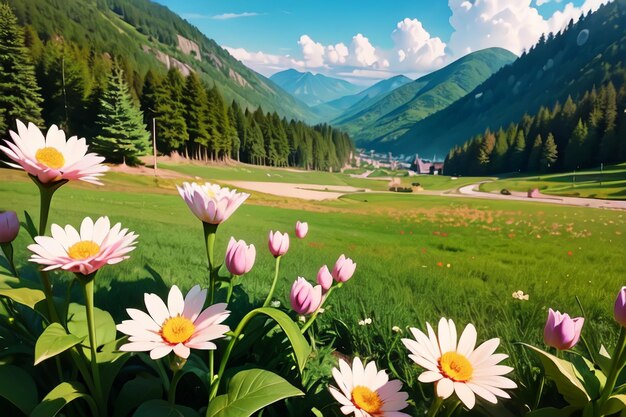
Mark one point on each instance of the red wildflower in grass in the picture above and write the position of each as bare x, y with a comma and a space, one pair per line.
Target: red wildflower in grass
444, 234
401, 232
570, 253
439, 263
436, 233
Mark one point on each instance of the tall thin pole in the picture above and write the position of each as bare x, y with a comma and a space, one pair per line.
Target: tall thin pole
154, 149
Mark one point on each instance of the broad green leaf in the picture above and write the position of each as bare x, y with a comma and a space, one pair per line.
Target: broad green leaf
604, 360
77, 324
249, 391
53, 341
300, 346
26, 296
59, 397
563, 374
614, 404
111, 362
18, 387
29, 225
554, 412
593, 379
161, 408
136, 392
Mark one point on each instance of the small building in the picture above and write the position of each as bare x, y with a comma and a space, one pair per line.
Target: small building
424, 166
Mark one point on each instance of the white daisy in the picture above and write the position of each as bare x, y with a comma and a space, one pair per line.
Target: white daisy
367, 392
458, 367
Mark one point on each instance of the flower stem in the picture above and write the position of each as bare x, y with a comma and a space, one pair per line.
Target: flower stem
7, 249
88, 288
314, 316
210, 231
617, 363
435, 406
171, 396
231, 285
268, 300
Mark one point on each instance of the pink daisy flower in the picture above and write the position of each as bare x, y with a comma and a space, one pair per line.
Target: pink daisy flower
97, 244
53, 158
179, 326
366, 392
210, 202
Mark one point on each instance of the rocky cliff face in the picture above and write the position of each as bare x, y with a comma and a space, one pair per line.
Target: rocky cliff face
189, 47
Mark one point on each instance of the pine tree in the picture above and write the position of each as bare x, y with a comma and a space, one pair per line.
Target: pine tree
517, 152
549, 153
122, 135
535, 154
19, 92
573, 153
196, 106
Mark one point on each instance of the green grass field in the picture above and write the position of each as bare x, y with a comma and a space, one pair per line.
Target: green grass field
419, 257
609, 183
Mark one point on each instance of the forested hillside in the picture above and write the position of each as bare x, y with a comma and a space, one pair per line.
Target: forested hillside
106, 96
142, 35
590, 53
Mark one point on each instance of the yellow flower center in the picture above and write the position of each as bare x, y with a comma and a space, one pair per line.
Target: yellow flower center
366, 399
50, 157
83, 249
177, 329
456, 367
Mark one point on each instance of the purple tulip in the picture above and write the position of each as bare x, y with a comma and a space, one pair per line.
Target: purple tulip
324, 278
9, 226
343, 270
239, 257
302, 228
304, 297
278, 243
620, 307
561, 331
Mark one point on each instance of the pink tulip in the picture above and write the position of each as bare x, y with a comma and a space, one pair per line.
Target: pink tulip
561, 331
9, 226
302, 228
239, 257
324, 278
304, 297
278, 243
343, 270
620, 307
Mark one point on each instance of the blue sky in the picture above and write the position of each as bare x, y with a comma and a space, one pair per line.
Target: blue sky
369, 40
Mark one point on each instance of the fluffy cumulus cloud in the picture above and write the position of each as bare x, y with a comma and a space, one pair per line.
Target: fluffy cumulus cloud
512, 24
477, 24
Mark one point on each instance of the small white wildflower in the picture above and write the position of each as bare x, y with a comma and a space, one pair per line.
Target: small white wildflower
361, 323
519, 295
275, 303
367, 321
396, 329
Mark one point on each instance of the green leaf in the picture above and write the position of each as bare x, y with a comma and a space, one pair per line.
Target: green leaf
18, 387
77, 324
29, 225
593, 379
564, 375
554, 412
26, 296
300, 346
111, 362
53, 341
614, 404
249, 391
59, 397
161, 408
604, 360
136, 392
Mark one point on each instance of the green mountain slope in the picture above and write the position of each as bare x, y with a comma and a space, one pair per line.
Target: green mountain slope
313, 89
587, 54
393, 114
150, 36
364, 99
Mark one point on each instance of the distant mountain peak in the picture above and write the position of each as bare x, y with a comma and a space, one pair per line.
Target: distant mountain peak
313, 89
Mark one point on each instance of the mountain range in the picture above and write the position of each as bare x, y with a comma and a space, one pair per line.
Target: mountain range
313, 89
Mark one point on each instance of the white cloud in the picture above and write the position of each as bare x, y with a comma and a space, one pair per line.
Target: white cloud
515, 25
223, 16
313, 52
512, 24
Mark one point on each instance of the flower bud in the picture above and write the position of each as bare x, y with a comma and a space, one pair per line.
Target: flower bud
324, 278
302, 228
278, 243
305, 298
9, 226
344, 269
561, 331
239, 257
620, 307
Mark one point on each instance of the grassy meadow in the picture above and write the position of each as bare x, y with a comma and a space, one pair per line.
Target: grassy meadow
419, 257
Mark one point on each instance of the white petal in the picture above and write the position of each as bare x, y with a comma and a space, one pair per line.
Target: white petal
465, 394
429, 376
175, 302
467, 340
445, 388
156, 308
